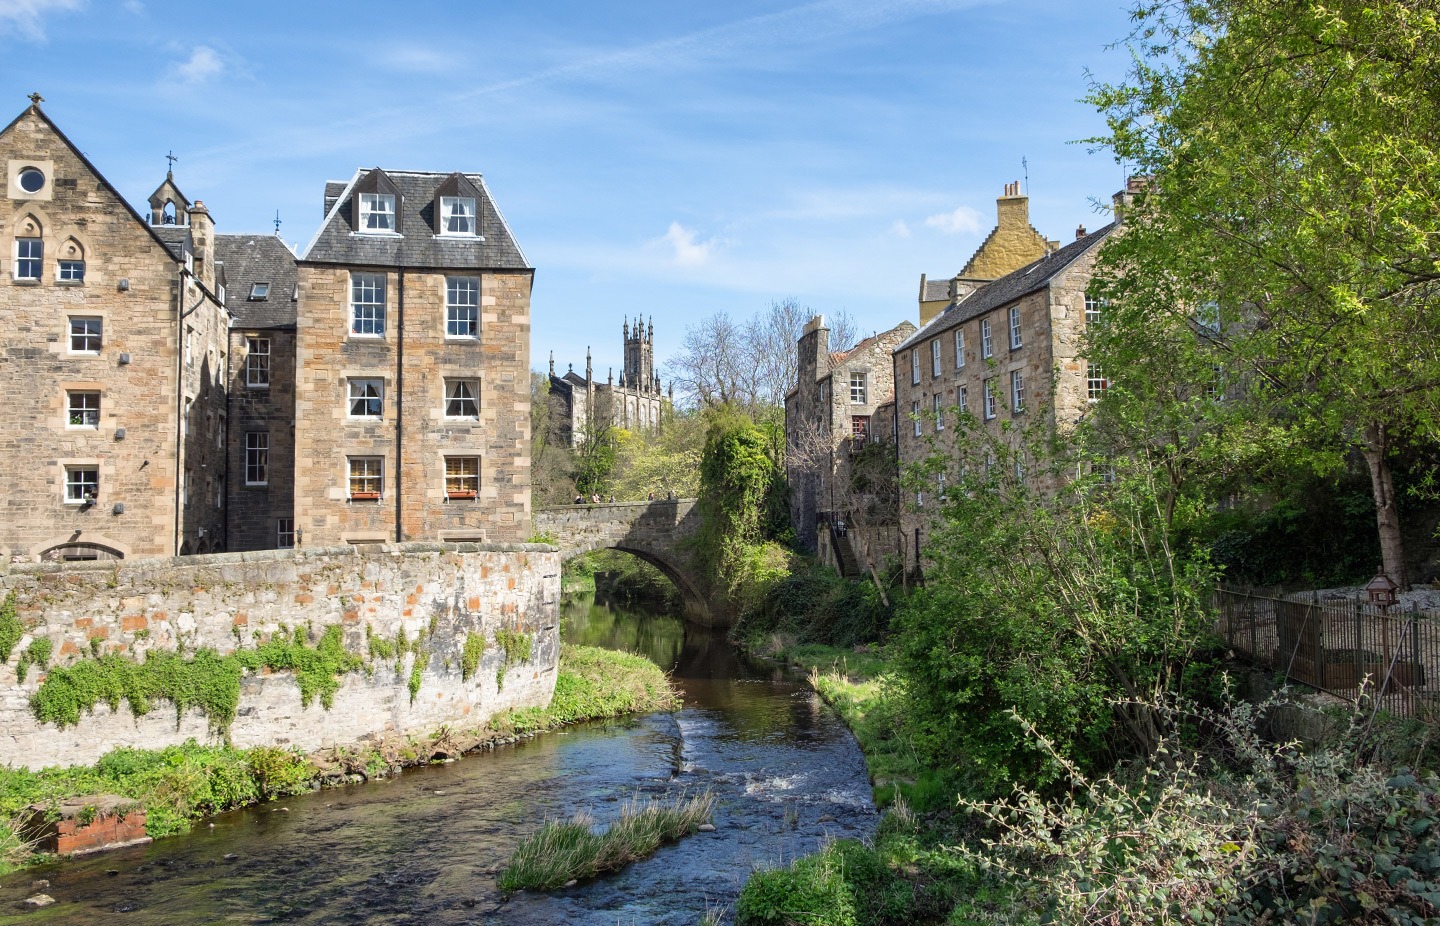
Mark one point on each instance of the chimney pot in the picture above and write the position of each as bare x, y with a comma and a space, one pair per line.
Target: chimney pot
1079, 232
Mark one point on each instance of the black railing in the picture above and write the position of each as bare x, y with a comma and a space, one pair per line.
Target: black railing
1342, 646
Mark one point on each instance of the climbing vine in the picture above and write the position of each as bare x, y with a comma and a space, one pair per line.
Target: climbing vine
10, 629
517, 646
742, 494
470, 656
206, 681
36, 654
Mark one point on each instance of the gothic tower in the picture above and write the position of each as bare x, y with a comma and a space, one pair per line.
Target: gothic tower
639, 371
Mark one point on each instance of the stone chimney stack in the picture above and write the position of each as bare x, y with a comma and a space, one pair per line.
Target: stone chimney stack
1013, 208
1079, 232
202, 234
1134, 186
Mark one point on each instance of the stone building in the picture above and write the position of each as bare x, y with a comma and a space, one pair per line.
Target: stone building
412, 390
113, 333
1007, 358
580, 404
1012, 243
830, 418
262, 294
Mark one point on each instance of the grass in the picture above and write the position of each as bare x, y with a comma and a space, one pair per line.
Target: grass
562, 851
596, 684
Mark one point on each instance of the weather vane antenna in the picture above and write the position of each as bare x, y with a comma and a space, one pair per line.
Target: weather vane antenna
1025, 164
36, 98
277, 223
170, 156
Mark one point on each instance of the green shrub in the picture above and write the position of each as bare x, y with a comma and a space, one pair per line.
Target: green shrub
280, 772
36, 654
813, 890
472, 653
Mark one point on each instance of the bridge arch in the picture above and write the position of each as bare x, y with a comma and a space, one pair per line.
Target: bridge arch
656, 532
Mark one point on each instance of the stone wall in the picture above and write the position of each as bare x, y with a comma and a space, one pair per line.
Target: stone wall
232, 600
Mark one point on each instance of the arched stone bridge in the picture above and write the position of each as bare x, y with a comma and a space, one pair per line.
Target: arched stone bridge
654, 531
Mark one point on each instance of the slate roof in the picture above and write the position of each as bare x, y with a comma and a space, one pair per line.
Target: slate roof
936, 290
176, 238
1019, 283
417, 245
251, 259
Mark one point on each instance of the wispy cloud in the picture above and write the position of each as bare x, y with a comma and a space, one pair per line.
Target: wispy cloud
687, 250
963, 221
900, 229
418, 59
134, 6
26, 17
203, 64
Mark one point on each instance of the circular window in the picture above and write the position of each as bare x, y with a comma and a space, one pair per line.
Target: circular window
31, 180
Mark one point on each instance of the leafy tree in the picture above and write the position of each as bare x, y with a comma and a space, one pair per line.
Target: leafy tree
742, 493
662, 462
1290, 238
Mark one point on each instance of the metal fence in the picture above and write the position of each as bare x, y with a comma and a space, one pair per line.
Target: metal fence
1339, 644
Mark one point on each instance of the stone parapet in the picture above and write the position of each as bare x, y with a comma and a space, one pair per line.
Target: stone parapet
440, 592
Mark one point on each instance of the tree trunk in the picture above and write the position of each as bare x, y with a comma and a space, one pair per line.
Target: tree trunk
1387, 515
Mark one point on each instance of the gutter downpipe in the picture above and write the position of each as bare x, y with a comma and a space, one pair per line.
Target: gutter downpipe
182, 314
399, 403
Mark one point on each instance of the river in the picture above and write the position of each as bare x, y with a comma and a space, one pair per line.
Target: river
424, 847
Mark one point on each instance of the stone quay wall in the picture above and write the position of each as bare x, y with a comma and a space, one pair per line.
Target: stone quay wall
230, 601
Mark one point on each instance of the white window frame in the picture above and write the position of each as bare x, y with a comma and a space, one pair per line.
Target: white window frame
377, 214
936, 402
962, 399
189, 346
1016, 341
959, 348
367, 305
284, 533
83, 409
92, 330
369, 390
76, 483
991, 409
462, 299
454, 400
29, 256
1017, 391
1093, 310
987, 343
457, 481
915, 414
1095, 382
934, 358
859, 388
70, 271
257, 363
915, 366
257, 458
449, 216
365, 472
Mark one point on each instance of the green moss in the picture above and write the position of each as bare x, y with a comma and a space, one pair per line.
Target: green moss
206, 681
470, 657
10, 629
36, 654
379, 647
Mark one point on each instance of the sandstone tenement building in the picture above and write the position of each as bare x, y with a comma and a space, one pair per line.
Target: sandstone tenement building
114, 347
1004, 360
578, 405
1012, 243
830, 416
175, 391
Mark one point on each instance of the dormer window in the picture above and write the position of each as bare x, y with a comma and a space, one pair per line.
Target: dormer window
457, 215
377, 212
259, 292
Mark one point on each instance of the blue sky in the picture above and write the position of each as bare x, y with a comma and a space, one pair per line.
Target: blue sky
665, 158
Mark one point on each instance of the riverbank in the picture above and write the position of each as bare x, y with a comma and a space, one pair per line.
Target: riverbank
181, 784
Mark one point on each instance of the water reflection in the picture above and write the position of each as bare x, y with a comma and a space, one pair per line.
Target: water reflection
424, 848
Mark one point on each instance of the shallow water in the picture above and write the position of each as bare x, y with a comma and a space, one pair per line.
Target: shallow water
424, 847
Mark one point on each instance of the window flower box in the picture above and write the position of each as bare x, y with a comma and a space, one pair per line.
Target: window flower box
364, 496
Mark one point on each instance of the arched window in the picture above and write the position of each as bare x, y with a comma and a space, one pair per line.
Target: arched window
29, 248
79, 553
70, 268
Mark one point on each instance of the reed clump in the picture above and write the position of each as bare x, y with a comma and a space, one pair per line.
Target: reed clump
562, 851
